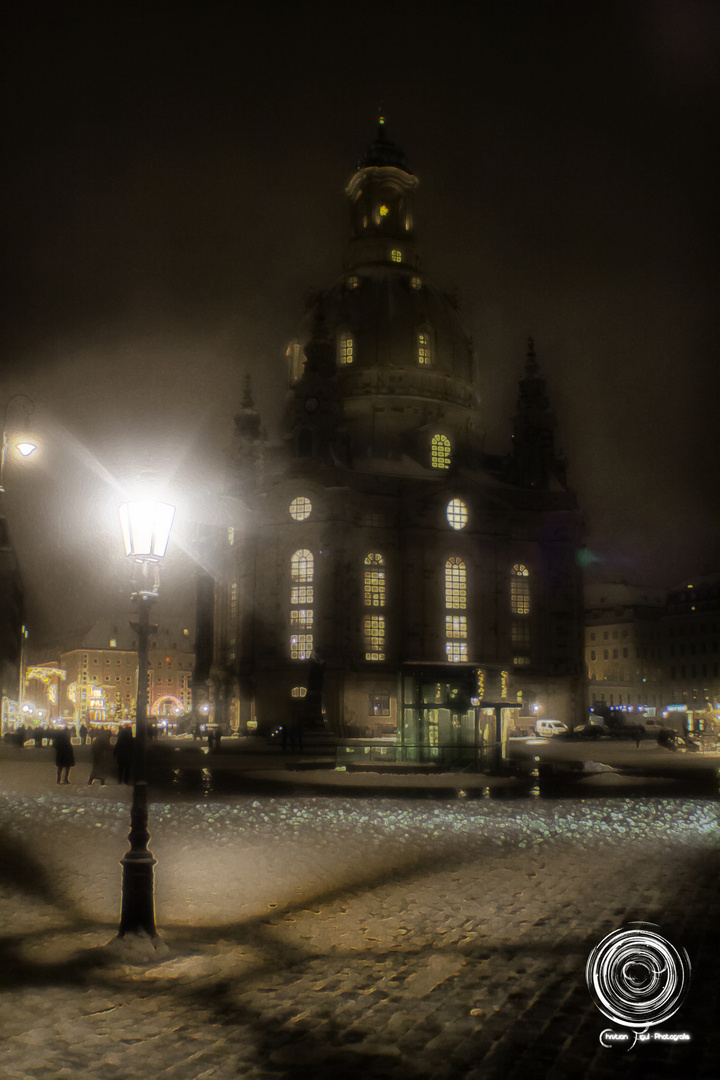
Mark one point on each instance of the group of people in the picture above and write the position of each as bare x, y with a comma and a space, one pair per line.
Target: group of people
102, 753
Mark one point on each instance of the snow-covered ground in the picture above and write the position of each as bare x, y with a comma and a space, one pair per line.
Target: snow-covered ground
354, 933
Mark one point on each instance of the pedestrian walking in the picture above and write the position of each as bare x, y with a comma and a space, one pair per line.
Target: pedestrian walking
100, 757
83, 734
124, 753
64, 755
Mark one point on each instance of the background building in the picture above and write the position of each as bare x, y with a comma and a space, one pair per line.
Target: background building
380, 552
102, 673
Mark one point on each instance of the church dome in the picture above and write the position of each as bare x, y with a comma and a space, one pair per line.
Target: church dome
383, 340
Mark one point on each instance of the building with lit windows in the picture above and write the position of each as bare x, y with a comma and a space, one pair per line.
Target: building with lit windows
376, 538
100, 685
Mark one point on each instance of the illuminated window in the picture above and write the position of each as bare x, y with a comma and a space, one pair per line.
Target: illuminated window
231, 535
520, 590
521, 642
440, 452
374, 637
396, 255
456, 651
374, 581
455, 583
345, 347
300, 508
415, 283
456, 627
383, 211
457, 514
379, 703
301, 618
298, 691
424, 352
353, 282
301, 565
301, 645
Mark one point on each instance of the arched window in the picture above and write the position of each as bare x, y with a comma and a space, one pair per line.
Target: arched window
423, 348
374, 597
374, 581
520, 611
520, 590
301, 597
301, 566
440, 452
455, 583
345, 349
456, 630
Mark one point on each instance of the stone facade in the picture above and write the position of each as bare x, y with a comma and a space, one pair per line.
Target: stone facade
379, 547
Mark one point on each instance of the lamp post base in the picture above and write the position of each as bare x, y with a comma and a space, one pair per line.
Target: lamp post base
137, 914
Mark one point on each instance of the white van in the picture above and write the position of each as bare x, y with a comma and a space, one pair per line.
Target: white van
548, 728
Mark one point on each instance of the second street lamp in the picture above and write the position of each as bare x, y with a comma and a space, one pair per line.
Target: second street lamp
146, 530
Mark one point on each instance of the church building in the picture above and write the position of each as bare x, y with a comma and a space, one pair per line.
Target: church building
386, 573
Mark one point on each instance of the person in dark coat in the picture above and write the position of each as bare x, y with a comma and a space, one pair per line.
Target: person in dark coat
64, 756
100, 757
83, 734
124, 753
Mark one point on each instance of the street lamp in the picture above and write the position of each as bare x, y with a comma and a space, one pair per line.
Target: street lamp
146, 530
25, 447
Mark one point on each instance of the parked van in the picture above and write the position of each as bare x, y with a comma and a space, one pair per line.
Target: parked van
548, 728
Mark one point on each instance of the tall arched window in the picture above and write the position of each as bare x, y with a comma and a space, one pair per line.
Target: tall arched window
345, 348
520, 611
374, 597
520, 590
374, 581
456, 630
302, 570
440, 452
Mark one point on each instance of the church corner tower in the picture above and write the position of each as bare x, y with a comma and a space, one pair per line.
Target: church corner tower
430, 589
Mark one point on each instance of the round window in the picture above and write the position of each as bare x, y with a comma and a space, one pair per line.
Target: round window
300, 508
457, 513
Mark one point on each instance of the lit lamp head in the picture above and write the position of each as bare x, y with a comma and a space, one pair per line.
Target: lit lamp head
146, 529
26, 448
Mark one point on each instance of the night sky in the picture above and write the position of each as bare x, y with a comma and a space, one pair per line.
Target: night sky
173, 185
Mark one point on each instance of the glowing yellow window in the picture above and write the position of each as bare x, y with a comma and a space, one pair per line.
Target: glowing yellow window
301, 618
396, 255
300, 508
424, 352
455, 627
346, 349
353, 282
457, 514
301, 566
456, 651
302, 594
415, 283
383, 211
301, 645
374, 581
298, 691
440, 452
455, 583
520, 590
374, 637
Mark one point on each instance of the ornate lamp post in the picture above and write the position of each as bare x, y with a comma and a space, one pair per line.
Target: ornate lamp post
146, 530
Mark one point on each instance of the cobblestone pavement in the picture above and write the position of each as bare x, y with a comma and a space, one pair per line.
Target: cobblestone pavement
331, 937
